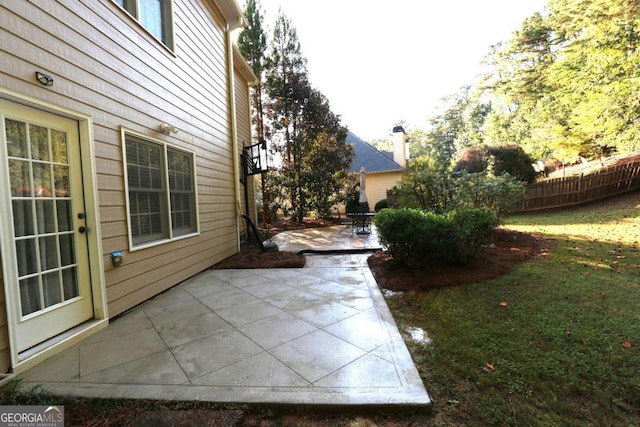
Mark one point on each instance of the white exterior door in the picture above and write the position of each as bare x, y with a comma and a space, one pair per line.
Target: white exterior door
44, 231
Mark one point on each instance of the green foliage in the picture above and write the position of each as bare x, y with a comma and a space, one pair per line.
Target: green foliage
408, 234
382, 144
381, 204
457, 127
509, 158
473, 160
473, 229
326, 160
17, 395
479, 191
566, 84
417, 238
426, 185
431, 186
252, 42
310, 142
513, 160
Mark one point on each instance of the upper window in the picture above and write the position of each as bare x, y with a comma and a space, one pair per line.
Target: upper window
161, 191
154, 15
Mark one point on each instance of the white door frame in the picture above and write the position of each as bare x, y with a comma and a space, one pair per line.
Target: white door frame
22, 361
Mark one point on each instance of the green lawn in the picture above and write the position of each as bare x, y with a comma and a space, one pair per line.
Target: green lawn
565, 348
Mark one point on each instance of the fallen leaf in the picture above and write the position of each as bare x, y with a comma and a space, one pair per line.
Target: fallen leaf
621, 257
627, 344
567, 332
602, 293
503, 304
489, 367
614, 264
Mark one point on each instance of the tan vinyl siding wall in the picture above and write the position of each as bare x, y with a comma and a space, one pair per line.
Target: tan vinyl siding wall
107, 66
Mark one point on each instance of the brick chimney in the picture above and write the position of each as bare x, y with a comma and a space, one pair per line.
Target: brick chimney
400, 146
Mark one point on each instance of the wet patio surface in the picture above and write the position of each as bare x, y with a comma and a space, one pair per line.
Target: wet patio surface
321, 334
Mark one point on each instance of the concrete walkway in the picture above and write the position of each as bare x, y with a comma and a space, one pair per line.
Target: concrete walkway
328, 239
321, 335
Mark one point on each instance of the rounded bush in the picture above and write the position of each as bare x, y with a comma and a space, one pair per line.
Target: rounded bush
474, 228
508, 158
512, 159
416, 238
381, 204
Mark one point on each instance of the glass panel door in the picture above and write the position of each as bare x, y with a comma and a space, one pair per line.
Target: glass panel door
46, 197
42, 206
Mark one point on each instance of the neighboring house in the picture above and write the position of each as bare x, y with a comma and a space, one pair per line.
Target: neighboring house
121, 124
383, 169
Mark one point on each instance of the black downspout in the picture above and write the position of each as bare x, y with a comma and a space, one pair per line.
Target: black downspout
247, 218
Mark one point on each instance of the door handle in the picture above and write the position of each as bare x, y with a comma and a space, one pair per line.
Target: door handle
83, 229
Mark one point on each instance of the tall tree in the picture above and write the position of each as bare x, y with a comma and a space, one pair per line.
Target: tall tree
252, 42
459, 126
518, 82
566, 84
287, 80
288, 90
310, 140
326, 157
598, 74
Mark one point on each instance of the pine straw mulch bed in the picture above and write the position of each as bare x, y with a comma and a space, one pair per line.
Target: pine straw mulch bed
508, 249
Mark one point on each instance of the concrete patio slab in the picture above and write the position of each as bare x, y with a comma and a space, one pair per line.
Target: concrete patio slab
327, 239
319, 335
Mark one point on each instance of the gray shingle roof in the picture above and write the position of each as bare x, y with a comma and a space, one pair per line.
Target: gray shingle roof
368, 156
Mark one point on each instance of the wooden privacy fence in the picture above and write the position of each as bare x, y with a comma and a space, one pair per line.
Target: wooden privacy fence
561, 192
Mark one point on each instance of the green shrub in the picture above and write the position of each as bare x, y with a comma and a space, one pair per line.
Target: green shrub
381, 204
402, 232
495, 193
474, 228
433, 188
417, 238
427, 185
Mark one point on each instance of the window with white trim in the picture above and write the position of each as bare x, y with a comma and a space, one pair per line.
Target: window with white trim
161, 191
154, 15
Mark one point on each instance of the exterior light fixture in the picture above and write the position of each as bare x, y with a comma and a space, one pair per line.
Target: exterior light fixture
44, 79
168, 129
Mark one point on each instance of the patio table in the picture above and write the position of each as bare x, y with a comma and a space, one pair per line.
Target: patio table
361, 221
